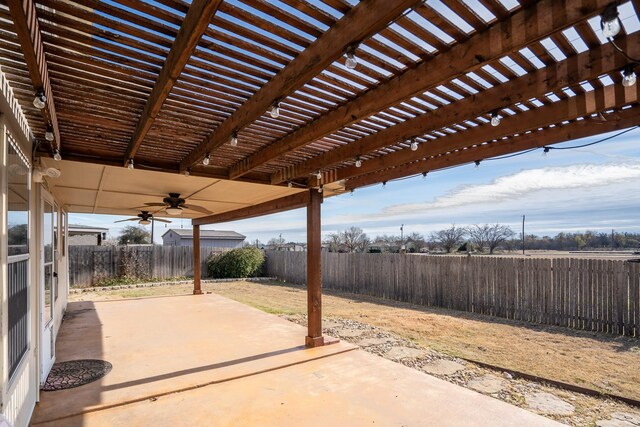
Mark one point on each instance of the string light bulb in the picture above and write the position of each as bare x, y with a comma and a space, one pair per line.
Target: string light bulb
414, 144
320, 189
384, 185
318, 175
546, 151
48, 135
477, 162
495, 119
424, 176
610, 22
187, 172
351, 62
290, 184
56, 155
274, 111
40, 100
130, 165
629, 76
234, 139
358, 162
206, 160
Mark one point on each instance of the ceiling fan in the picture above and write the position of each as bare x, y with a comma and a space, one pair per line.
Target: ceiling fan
174, 205
144, 218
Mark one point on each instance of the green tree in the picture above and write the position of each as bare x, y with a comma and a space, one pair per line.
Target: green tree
132, 235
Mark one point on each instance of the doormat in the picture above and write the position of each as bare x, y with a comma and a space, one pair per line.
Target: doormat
75, 373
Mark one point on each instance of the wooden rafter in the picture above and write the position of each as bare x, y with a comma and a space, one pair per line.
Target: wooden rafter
364, 20
567, 109
513, 33
282, 204
193, 27
524, 141
25, 20
572, 71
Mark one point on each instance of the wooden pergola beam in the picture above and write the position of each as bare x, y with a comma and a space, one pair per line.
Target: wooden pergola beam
515, 32
195, 23
573, 70
25, 20
596, 101
282, 204
364, 20
555, 135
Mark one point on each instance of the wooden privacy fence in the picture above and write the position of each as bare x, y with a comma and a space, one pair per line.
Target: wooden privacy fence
88, 265
589, 294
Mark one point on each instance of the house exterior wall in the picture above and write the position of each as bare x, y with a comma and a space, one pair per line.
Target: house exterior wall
172, 238
19, 394
84, 239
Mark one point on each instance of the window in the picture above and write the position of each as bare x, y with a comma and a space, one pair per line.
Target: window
18, 254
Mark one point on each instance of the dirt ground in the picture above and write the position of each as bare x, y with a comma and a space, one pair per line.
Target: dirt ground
597, 361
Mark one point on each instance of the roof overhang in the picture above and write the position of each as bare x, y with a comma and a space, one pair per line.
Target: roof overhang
101, 189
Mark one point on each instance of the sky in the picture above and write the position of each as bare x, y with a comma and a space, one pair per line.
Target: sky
592, 188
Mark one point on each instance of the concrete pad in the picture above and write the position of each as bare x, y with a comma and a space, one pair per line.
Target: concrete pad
348, 389
160, 345
443, 367
620, 419
209, 361
487, 384
547, 403
399, 353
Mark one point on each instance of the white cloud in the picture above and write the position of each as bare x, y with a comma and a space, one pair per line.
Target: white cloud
524, 183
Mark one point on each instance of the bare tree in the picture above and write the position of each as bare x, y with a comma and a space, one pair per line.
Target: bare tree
354, 239
276, 242
490, 236
449, 238
334, 240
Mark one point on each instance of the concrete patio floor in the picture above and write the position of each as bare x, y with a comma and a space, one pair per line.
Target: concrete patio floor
209, 361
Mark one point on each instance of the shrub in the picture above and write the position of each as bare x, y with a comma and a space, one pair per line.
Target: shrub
236, 263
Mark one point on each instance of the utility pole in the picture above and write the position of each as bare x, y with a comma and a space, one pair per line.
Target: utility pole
613, 241
522, 234
401, 234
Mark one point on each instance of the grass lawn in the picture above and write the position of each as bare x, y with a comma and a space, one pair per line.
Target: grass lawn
598, 361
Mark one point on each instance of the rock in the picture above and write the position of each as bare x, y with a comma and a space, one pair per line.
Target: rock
507, 375
350, 333
399, 353
329, 324
488, 384
620, 419
443, 367
375, 341
547, 403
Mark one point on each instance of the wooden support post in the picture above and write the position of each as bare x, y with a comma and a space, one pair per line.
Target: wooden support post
314, 272
196, 260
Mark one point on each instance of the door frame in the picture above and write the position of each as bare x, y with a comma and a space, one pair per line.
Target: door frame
46, 339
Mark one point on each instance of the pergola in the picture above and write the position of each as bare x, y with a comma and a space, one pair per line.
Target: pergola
308, 98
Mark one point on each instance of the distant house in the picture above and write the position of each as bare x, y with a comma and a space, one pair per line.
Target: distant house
208, 238
85, 235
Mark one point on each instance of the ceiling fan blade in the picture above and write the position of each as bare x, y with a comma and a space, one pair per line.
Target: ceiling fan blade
155, 204
160, 220
129, 219
197, 208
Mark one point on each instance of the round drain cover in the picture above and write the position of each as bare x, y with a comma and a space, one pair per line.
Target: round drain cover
75, 373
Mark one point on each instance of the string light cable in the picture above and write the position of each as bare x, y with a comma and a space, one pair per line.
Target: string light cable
518, 154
